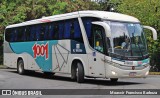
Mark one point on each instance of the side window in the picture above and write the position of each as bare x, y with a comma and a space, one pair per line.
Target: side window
19, 34
75, 31
67, 29
61, 29
51, 31
98, 39
28, 33
14, 35
87, 22
46, 32
33, 33
41, 32
24, 34
8, 34
56, 31
72, 29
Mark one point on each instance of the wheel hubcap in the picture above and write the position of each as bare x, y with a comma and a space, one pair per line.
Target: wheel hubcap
77, 72
20, 68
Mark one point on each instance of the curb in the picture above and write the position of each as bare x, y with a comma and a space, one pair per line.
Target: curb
154, 73
3, 67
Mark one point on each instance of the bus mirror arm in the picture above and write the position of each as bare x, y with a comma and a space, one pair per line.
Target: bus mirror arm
105, 26
153, 31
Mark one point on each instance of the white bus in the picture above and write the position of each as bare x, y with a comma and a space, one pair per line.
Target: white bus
94, 44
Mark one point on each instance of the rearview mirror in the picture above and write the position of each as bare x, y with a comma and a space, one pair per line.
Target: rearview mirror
153, 31
105, 26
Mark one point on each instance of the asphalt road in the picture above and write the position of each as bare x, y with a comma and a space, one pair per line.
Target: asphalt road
10, 79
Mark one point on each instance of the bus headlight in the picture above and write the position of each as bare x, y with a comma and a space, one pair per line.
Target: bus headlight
147, 73
114, 73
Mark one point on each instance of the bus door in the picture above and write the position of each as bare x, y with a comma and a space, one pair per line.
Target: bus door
96, 63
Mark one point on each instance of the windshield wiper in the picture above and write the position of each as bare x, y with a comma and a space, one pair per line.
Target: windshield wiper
140, 50
138, 45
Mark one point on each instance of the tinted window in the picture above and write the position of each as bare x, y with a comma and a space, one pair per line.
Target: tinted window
66, 29
33, 33
46, 31
41, 32
14, 34
19, 34
24, 34
61, 30
50, 31
98, 38
8, 35
77, 31
28, 33
87, 21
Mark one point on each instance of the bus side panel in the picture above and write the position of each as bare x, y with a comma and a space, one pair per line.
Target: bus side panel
10, 58
32, 65
60, 56
39, 53
65, 52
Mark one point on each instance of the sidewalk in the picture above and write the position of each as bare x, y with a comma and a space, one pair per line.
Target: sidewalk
3, 67
154, 73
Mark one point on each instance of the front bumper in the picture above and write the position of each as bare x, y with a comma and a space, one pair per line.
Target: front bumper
115, 72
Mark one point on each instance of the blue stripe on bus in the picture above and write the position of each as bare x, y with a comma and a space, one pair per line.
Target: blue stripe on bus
26, 47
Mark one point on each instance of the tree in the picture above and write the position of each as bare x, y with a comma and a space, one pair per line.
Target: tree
10, 13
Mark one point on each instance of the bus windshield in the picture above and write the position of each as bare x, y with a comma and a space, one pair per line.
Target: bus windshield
127, 40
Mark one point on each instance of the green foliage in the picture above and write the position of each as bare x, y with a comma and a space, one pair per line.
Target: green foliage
60, 8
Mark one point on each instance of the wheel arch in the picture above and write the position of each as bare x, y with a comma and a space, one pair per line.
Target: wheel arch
77, 59
24, 61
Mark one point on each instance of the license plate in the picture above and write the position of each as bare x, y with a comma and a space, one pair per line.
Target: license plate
132, 74
129, 63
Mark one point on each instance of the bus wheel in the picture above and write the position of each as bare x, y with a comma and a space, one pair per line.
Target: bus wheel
20, 67
79, 73
73, 71
114, 79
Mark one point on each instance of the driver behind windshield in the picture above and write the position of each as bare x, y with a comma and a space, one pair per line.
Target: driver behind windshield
126, 44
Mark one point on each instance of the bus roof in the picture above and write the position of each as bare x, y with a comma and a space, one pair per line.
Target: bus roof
99, 14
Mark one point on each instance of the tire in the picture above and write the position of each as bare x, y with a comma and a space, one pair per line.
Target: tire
20, 67
114, 79
79, 73
73, 72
